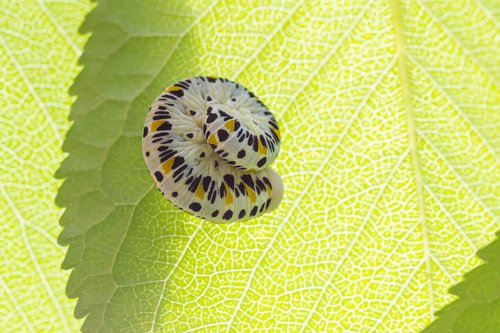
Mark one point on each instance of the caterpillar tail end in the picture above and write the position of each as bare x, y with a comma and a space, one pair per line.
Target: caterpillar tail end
278, 189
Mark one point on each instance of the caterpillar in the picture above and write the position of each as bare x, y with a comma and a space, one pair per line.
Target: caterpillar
208, 143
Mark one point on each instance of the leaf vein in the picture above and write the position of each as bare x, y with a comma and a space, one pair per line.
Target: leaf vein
59, 28
459, 177
17, 306
457, 108
268, 39
448, 214
31, 89
398, 295
359, 231
458, 41
33, 257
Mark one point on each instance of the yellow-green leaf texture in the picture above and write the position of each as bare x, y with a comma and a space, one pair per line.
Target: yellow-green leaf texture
39, 47
390, 118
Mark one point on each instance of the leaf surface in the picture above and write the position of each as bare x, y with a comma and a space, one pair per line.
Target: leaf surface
39, 48
390, 156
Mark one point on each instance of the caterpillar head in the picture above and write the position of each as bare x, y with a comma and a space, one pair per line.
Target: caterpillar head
244, 138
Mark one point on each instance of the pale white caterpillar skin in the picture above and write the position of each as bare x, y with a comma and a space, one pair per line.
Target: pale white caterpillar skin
208, 143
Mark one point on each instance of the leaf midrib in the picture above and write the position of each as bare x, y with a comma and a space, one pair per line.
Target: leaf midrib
412, 140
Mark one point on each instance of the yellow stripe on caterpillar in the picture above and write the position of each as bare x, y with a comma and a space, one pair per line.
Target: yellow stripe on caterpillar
156, 124
167, 166
229, 195
230, 125
172, 88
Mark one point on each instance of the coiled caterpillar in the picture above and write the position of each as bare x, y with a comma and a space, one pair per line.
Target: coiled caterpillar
208, 143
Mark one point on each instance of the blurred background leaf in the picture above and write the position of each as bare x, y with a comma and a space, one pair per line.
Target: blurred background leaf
39, 48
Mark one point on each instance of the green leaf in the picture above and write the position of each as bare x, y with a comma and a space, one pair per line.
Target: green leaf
39, 48
478, 306
390, 156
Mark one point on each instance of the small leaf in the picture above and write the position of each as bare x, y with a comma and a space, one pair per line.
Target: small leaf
477, 308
